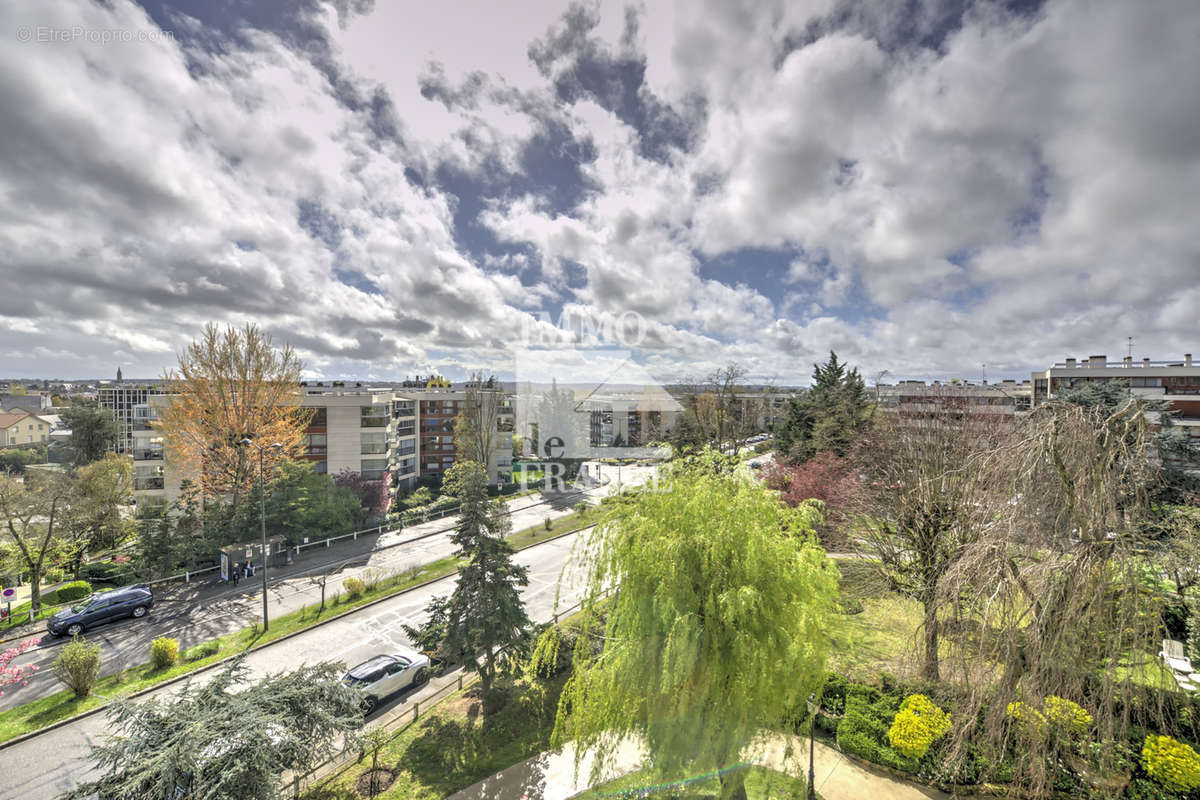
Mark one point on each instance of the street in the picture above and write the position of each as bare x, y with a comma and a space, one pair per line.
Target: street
42, 767
200, 615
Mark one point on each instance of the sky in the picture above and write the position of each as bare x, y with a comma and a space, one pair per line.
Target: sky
936, 188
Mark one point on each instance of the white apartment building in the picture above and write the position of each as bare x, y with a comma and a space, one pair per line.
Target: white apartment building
1003, 399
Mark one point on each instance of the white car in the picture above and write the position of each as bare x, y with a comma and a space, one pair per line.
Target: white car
381, 676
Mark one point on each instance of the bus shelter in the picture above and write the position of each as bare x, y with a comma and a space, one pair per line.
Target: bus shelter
277, 555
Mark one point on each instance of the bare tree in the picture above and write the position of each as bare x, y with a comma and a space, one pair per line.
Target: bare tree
1062, 608
33, 510
477, 427
928, 481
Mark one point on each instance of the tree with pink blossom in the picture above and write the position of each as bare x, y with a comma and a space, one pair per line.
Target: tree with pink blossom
10, 675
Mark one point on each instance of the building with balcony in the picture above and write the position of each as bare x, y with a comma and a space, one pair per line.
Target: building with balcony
1001, 400
436, 450
1175, 382
121, 400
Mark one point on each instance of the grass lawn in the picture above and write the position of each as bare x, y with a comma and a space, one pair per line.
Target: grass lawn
456, 745
761, 784
48, 710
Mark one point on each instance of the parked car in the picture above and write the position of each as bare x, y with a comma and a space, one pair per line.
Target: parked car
131, 601
381, 676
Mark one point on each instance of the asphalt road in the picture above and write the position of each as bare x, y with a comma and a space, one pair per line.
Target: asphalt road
127, 643
42, 767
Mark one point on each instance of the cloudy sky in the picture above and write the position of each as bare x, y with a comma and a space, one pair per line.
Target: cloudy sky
923, 186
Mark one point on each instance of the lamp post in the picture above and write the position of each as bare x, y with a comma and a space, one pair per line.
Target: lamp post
812, 717
262, 499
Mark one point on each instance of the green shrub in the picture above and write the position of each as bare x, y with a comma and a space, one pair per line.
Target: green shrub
75, 590
354, 588
102, 572
582, 507
203, 650
863, 729
78, 666
1172, 763
546, 523
849, 604
917, 725
52, 575
1029, 722
164, 652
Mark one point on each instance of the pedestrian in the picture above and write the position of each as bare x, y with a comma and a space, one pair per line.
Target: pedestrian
237, 573
246, 570
253, 567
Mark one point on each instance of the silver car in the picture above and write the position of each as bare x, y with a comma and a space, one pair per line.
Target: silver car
381, 676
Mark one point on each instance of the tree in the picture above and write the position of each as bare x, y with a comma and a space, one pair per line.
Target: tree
831, 415
485, 614
209, 742
93, 516
10, 675
717, 625
928, 481
827, 477
93, 430
1063, 598
370, 494
300, 503
33, 510
14, 461
477, 426
230, 386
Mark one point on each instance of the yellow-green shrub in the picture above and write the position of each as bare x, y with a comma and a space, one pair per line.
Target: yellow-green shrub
917, 725
1067, 716
354, 588
1029, 721
164, 652
1172, 763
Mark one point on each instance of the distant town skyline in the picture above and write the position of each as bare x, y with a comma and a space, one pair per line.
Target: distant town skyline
393, 188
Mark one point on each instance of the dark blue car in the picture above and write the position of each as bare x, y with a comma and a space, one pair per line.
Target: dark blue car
132, 601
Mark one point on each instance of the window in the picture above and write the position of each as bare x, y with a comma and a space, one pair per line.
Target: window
406, 465
373, 416
373, 468
316, 443
406, 448
321, 467
319, 417
373, 442
406, 428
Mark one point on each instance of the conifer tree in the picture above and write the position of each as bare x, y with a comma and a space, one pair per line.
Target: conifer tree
830, 416
485, 613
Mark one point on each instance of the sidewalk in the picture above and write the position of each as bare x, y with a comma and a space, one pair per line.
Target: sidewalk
552, 776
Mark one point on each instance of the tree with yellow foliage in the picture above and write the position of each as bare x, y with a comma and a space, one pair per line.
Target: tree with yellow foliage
232, 385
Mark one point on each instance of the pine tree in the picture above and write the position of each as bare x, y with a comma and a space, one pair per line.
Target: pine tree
485, 614
207, 742
830, 416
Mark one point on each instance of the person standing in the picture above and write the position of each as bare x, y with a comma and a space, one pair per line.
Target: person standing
236, 573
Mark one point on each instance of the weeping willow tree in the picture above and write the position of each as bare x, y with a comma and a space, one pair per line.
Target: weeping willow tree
1064, 603
716, 627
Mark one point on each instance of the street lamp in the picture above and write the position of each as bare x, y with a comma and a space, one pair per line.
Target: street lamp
812, 716
262, 499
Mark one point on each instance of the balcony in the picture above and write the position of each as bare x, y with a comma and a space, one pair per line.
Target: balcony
373, 422
145, 484
147, 455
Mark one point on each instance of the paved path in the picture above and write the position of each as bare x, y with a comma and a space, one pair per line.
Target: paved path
198, 613
552, 776
46, 765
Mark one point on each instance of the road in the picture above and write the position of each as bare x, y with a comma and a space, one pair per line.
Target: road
126, 644
42, 767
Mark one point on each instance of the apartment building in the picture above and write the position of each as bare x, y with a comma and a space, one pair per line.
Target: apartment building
437, 409
152, 489
1004, 399
629, 418
121, 400
1176, 382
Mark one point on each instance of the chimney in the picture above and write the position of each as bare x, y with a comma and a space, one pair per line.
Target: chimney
1127, 361
1070, 363
1098, 361
1145, 362
1187, 359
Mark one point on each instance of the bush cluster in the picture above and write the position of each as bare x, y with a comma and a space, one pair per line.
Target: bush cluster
203, 650
355, 587
164, 652
1171, 762
78, 666
1067, 716
75, 590
864, 727
917, 725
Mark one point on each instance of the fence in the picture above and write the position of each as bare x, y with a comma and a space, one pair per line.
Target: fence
339, 762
